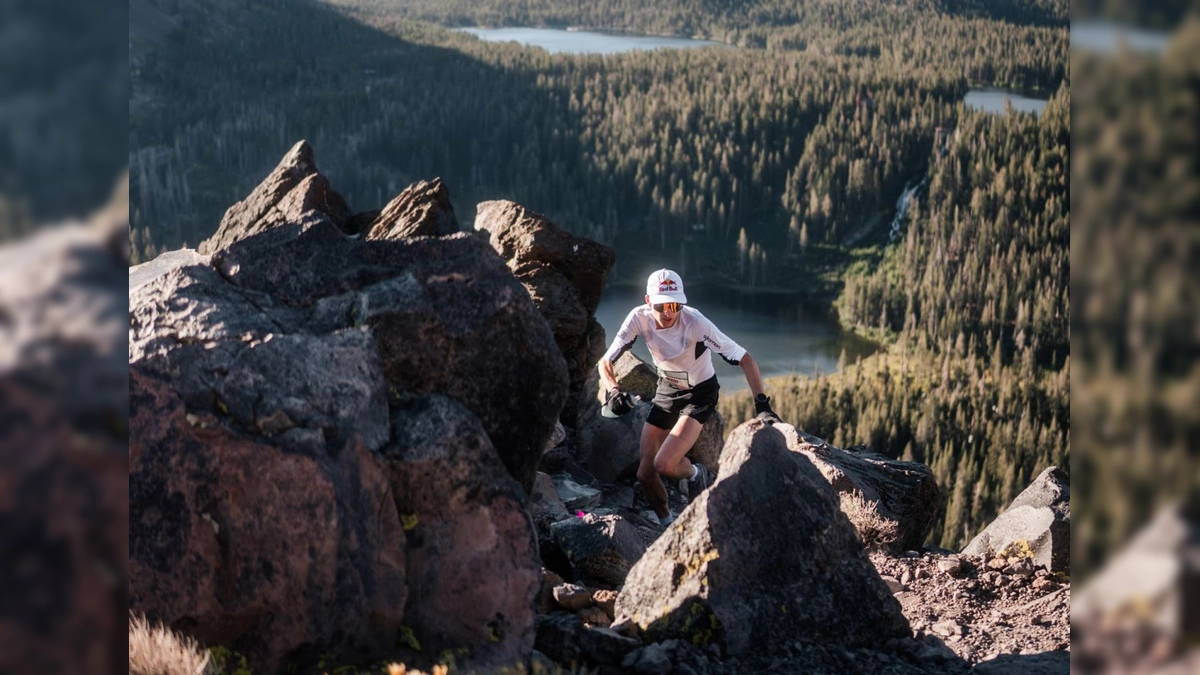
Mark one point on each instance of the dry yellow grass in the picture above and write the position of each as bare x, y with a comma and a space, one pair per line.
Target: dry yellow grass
875, 530
157, 650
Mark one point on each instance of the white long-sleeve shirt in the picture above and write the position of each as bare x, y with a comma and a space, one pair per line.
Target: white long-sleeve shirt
682, 352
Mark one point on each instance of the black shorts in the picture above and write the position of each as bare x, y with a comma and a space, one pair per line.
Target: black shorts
670, 403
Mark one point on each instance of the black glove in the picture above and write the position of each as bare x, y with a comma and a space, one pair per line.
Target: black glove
618, 402
762, 409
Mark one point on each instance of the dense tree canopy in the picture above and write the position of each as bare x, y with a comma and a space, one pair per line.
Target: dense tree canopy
774, 161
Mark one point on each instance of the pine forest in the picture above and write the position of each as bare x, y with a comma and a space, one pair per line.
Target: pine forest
772, 161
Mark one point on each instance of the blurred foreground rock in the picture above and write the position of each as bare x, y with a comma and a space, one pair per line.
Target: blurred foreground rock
64, 403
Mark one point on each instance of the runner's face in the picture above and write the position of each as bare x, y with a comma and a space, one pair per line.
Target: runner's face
665, 318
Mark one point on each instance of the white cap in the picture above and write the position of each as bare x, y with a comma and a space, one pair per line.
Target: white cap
665, 286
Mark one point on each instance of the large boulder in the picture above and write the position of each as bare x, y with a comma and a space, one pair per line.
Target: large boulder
423, 209
564, 275
294, 192
271, 378
905, 492
237, 542
447, 316
1038, 522
763, 555
609, 448
473, 565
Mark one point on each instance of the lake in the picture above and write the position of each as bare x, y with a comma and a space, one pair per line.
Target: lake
992, 100
1106, 38
783, 337
556, 41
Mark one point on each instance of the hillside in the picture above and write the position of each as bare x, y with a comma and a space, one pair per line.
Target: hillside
774, 167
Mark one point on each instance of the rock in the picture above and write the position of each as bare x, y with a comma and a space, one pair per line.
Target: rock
600, 548
947, 628
1043, 584
1037, 524
564, 275
423, 209
1045, 663
294, 192
563, 637
1157, 572
522, 236
672, 656
606, 600
556, 437
997, 564
545, 601
230, 365
473, 565
64, 398
625, 626
594, 616
933, 650
906, 577
951, 565
545, 506
893, 584
609, 448
762, 555
574, 496
905, 492
169, 261
446, 314
572, 597
217, 518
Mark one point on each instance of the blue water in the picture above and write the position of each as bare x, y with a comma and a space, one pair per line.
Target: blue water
557, 41
992, 100
1107, 38
782, 337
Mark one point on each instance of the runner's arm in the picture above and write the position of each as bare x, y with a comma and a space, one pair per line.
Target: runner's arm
753, 377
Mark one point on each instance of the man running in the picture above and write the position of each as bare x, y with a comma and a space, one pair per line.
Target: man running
681, 341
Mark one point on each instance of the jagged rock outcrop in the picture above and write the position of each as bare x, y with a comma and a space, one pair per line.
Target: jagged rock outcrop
302, 398
905, 492
423, 209
294, 192
601, 548
63, 400
473, 566
445, 314
763, 555
217, 519
1038, 520
609, 448
565, 276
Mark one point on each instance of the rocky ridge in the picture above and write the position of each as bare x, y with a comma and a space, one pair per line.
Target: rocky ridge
983, 614
298, 373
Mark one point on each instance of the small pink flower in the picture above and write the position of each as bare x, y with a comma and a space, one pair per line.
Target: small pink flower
579, 514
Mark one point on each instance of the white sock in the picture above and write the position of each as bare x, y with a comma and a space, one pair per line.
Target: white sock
667, 519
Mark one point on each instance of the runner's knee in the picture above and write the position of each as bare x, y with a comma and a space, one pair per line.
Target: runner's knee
664, 464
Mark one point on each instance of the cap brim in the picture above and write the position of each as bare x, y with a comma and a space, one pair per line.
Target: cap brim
605, 412
659, 298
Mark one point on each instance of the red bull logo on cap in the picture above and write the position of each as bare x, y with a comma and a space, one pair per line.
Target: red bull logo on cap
668, 286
